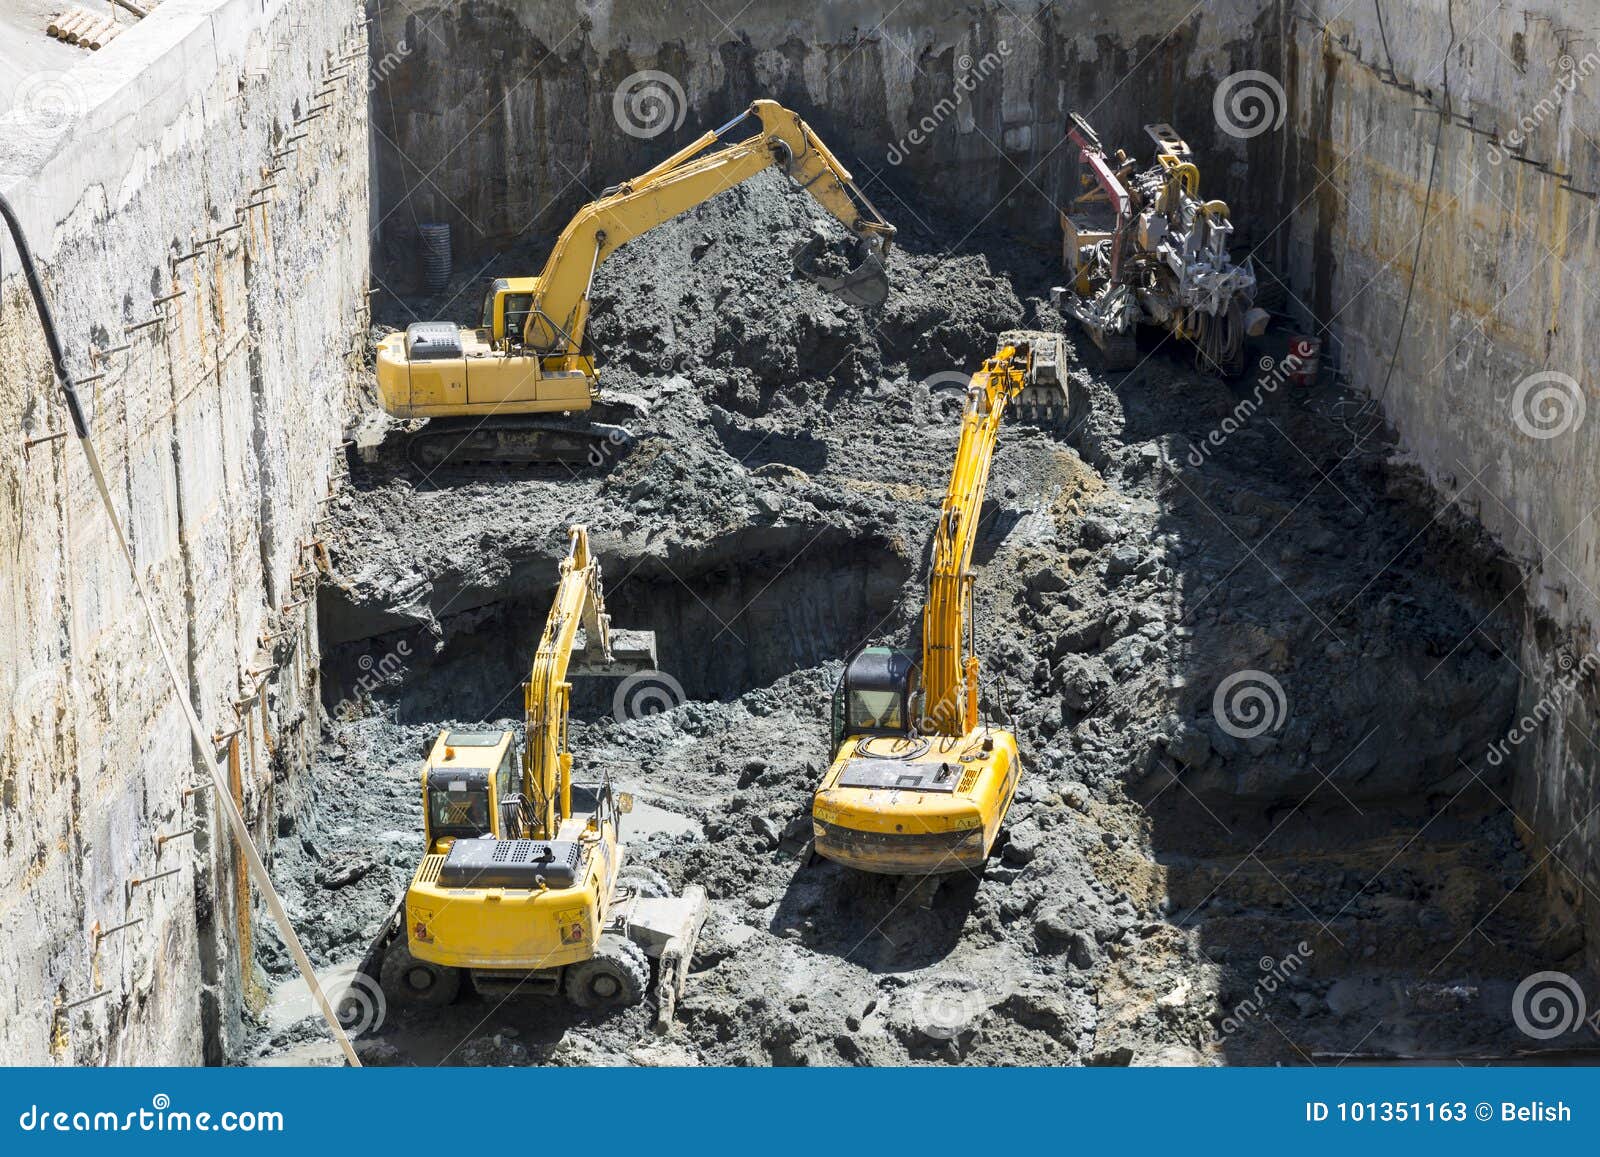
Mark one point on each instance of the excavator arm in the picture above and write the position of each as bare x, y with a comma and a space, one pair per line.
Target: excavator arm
919, 784
949, 664
547, 695
547, 763
559, 311
492, 392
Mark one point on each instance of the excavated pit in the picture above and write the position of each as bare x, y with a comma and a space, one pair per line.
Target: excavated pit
1346, 882
756, 608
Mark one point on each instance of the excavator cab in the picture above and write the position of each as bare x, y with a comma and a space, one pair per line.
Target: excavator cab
466, 777
874, 696
506, 305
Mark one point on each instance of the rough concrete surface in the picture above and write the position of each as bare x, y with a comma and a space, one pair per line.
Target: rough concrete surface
217, 429
1166, 892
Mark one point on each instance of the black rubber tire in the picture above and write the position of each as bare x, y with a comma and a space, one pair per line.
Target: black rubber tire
645, 881
417, 983
616, 975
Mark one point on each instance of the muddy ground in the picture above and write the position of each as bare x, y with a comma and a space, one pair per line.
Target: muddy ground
1177, 884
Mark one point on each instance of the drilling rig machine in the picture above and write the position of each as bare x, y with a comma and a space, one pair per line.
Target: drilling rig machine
1141, 248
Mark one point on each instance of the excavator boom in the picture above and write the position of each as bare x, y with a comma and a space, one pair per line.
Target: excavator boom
559, 314
950, 698
919, 784
522, 887
528, 359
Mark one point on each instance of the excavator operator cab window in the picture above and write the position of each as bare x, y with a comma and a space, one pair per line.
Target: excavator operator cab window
518, 307
874, 697
490, 297
876, 710
458, 806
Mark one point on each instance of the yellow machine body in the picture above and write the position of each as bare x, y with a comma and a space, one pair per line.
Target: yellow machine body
918, 785
522, 886
947, 820
483, 375
528, 352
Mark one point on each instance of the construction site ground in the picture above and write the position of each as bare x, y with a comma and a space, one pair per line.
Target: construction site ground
1346, 884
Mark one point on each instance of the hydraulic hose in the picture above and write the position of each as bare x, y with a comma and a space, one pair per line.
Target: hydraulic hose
221, 789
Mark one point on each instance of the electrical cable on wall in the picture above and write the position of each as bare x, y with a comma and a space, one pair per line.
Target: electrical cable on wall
202, 743
1427, 208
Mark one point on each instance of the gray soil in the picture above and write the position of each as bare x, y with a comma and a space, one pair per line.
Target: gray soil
1346, 882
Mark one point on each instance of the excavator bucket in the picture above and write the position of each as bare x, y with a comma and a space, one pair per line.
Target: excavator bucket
863, 283
632, 652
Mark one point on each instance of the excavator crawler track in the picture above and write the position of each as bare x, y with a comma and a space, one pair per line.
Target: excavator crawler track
517, 443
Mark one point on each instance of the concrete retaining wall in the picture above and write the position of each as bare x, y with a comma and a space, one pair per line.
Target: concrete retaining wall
1507, 286
500, 118
218, 428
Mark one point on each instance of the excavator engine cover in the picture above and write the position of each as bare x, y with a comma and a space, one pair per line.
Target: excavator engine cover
511, 864
433, 341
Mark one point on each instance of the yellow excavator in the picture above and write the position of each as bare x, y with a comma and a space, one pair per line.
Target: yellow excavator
523, 886
529, 354
920, 784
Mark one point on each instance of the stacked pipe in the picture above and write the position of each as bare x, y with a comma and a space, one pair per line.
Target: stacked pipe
86, 29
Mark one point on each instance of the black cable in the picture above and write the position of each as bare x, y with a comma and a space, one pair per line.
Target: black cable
1383, 34
47, 320
1427, 207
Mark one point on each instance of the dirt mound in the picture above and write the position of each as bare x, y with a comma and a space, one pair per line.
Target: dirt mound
777, 512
